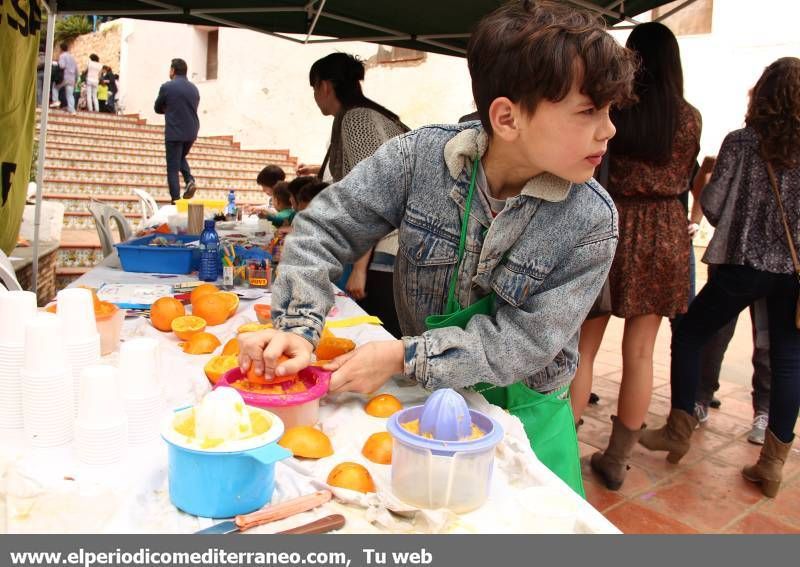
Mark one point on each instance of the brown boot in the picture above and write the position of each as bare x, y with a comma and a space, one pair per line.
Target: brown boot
612, 464
673, 437
768, 470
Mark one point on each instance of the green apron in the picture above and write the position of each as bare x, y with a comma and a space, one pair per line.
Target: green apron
547, 418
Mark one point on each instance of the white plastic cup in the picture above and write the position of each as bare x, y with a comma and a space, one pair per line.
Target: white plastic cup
16, 309
44, 346
100, 403
138, 368
76, 311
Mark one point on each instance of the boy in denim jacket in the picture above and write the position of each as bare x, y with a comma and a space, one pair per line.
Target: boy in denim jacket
541, 233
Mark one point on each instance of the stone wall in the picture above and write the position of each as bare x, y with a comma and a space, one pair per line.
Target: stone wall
105, 43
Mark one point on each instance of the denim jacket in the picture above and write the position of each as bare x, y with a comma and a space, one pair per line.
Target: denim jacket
545, 256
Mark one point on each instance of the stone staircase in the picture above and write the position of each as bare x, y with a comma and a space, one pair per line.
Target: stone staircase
104, 157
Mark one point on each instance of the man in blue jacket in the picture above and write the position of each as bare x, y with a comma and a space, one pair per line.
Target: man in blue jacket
178, 100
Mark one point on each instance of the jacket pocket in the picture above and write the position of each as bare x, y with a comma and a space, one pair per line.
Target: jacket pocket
515, 283
425, 264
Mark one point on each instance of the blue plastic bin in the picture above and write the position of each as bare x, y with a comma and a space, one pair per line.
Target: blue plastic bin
136, 256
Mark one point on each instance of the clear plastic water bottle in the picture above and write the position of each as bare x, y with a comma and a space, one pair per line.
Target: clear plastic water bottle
230, 209
209, 253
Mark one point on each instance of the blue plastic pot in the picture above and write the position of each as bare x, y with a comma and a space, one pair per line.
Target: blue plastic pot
215, 484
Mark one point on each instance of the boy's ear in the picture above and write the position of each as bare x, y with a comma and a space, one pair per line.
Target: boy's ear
503, 115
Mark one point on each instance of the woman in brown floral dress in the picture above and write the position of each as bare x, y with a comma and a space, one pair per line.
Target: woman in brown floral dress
651, 161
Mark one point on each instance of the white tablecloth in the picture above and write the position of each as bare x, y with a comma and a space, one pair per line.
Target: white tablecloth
48, 490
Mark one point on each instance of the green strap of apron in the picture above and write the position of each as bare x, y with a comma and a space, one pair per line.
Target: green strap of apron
547, 419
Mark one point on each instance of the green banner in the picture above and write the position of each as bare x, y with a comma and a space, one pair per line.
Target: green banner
20, 22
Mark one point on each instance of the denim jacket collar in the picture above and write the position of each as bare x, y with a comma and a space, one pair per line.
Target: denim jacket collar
470, 142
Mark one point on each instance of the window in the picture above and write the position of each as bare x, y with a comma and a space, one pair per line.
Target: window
691, 20
212, 50
388, 55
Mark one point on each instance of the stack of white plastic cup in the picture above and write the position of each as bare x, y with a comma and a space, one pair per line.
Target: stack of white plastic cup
141, 392
101, 429
82, 341
16, 309
46, 384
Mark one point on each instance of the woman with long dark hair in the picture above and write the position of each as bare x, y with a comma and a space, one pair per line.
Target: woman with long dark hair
753, 199
650, 164
360, 127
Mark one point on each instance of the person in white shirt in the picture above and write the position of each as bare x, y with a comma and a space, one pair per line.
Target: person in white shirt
92, 81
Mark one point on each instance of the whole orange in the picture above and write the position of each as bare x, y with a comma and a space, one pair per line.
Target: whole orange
164, 311
202, 290
213, 307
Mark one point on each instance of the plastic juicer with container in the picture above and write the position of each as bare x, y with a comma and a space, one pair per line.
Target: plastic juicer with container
443, 453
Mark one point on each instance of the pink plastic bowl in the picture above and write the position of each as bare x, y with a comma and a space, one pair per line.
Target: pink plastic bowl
294, 409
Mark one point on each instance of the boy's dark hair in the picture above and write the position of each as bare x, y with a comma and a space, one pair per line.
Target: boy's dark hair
298, 182
532, 50
281, 197
270, 175
179, 66
646, 130
310, 190
64, 46
94, 58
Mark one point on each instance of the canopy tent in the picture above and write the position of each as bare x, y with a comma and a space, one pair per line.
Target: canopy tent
439, 26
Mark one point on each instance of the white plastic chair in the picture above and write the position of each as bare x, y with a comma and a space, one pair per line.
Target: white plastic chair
8, 275
148, 205
103, 215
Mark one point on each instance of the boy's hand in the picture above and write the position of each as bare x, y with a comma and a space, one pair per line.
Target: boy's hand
261, 350
367, 368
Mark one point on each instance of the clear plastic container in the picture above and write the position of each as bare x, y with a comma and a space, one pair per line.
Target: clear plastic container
110, 328
442, 474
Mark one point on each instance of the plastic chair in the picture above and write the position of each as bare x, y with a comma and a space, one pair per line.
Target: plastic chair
8, 276
103, 215
148, 205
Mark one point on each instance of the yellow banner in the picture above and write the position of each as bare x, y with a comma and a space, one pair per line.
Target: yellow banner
20, 23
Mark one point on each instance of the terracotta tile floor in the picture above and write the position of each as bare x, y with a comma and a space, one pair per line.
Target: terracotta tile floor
704, 493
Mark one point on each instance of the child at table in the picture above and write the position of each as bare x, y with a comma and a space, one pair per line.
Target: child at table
267, 179
308, 192
531, 249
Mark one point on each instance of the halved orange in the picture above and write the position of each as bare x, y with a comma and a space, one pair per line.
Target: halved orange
306, 441
201, 343
233, 302
330, 348
219, 365
264, 313
231, 347
378, 448
254, 378
164, 311
383, 405
187, 325
202, 290
352, 476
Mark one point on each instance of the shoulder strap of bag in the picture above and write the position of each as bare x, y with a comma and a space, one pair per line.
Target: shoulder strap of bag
792, 249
